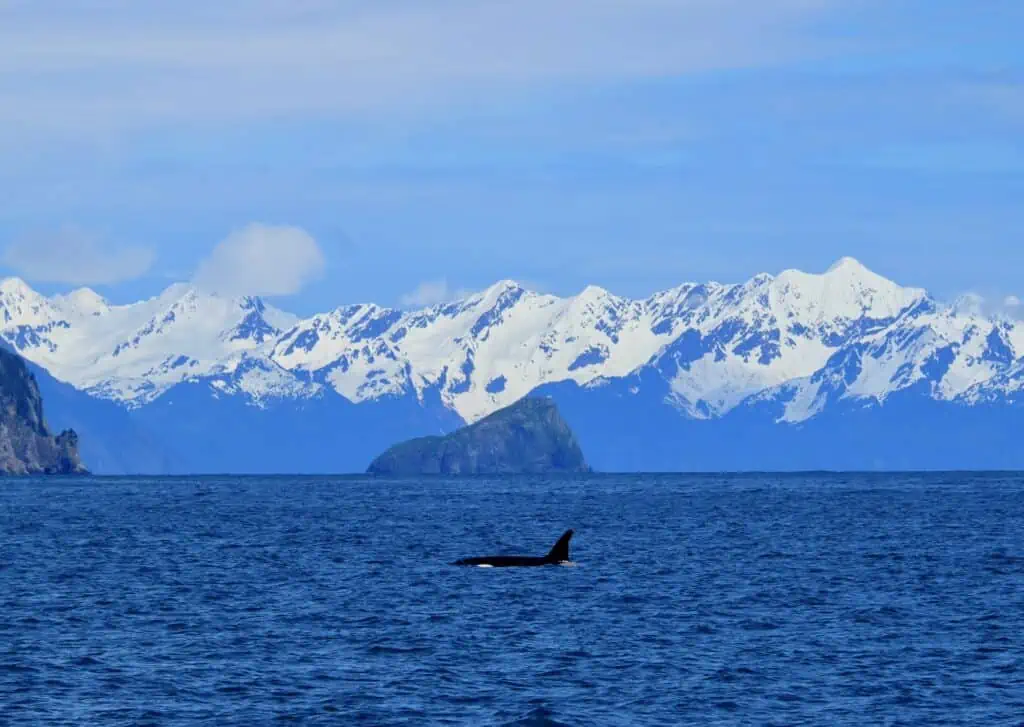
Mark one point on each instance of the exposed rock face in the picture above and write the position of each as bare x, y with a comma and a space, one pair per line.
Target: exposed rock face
529, 436
26, 445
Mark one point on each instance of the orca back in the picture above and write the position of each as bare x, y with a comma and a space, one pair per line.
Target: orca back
558, 554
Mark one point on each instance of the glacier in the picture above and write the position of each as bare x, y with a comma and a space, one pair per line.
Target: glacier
702, 376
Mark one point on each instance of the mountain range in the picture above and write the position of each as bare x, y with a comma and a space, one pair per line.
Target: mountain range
839, 370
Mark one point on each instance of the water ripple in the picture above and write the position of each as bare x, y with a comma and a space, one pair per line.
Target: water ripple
797, 599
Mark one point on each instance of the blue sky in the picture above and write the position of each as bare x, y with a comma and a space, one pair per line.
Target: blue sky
405, 150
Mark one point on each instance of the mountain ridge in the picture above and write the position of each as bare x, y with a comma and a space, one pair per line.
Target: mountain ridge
790, 346
363, 351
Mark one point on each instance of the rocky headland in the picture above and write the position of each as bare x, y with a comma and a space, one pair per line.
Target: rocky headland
529, 436
26, 445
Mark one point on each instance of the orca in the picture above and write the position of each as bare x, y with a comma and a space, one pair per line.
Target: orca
558, 554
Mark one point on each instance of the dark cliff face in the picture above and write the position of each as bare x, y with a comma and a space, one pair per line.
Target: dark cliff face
26, 445
527, 437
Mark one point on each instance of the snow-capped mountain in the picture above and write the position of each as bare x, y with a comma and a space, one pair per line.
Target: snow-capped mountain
133, 353
715, 344
801, 342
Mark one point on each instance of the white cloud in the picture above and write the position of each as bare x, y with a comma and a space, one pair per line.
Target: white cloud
432, 292
73, 256
988, 305
1013, 307
262, 260
126, 63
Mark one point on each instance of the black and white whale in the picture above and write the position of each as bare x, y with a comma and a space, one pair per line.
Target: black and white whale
558, 554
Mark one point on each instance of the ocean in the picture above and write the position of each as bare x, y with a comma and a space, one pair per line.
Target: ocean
756, 599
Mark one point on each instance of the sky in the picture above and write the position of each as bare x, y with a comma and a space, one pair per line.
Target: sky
406, 151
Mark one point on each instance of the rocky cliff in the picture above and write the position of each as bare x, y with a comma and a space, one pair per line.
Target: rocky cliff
529, 436
26, 445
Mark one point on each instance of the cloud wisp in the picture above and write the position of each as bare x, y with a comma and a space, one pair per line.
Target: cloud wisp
128, 63
989, 305
73, 256
432, 292
261, 259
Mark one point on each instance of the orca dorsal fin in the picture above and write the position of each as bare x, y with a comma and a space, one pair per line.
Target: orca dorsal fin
560, 552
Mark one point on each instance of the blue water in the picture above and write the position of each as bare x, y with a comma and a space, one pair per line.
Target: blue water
696, 600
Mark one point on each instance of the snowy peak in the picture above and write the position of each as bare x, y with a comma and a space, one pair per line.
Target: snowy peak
802, 339
260, 323
84, 302
500, 288
133, 353
730, 342
15, 286
23, 306
592, 294
848, 266
847, 290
